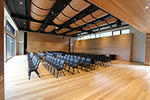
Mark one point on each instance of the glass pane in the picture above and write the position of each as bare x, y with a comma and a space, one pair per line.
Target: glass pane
87, 37
92, 36
10, 46
97, 35
10, 28
78, 38
82, 38
126, 31
116, 33
106, 34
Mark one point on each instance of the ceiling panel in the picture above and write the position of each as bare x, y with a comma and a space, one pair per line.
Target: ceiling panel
134, 12
21, 13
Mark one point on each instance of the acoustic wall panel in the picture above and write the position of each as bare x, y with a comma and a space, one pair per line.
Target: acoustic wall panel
45, 42
147, 51
119, 45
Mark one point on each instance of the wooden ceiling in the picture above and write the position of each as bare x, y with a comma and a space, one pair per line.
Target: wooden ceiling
134, 12
61, 17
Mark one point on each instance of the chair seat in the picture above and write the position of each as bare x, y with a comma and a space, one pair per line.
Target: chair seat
31, 66
74, 65
58, 68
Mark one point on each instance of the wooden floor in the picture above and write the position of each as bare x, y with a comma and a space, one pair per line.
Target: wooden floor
122, 81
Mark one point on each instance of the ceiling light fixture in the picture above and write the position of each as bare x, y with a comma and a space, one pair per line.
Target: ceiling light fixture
21, 3
56, 27
146, 7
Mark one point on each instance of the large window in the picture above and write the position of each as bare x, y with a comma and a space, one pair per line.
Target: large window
106, 34
116, 32
92, 36
126, 31
97, 35
87, 37
10, 28
10, 46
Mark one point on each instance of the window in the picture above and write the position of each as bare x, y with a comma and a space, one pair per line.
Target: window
78, 38
92, 36
87, 37
126, 31
106, 34
10, 46
10, 28
82, 38
97, 35
116, 32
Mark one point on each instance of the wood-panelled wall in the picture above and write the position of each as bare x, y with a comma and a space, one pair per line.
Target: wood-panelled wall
45, 42
120, 45
1, 49
147, 51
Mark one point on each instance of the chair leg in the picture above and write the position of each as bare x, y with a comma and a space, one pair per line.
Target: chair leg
47, 66
50, 69
73, 72
54, 72
81, 67
29, 74
86, 68
69, 69
57, 74
78, 70
63, 72
38, 74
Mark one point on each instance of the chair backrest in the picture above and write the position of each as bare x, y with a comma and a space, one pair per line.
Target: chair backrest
47, 57
68, 59
79, 58
65, 57
83, 59
37, 64
35, 61
52, 59
76, 61
41, 55
62, 63
58, 61
31, 55
68, 56
71, 59
88, 60
71, 56
55, 59
62, 57
75, 57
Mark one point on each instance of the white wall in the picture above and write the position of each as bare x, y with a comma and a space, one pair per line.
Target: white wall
139, 40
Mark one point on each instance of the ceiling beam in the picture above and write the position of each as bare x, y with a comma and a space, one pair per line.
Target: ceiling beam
25, 18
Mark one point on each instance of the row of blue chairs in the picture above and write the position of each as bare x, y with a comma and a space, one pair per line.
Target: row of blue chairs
54, 64
80, 61
33, 64
101, 60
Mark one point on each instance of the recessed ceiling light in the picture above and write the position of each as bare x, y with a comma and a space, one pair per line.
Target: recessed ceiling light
21, 3
56, 27
146, 7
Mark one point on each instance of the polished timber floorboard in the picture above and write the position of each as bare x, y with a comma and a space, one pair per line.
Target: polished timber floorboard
122, 81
